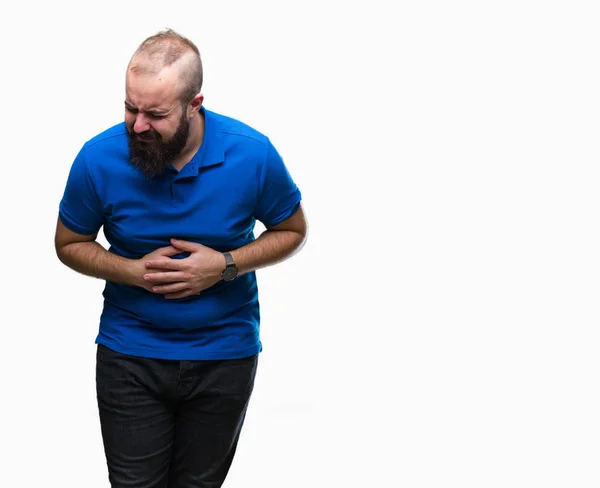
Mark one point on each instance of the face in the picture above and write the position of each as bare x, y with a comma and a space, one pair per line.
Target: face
157, 122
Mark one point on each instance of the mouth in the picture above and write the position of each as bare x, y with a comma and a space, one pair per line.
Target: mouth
144, 138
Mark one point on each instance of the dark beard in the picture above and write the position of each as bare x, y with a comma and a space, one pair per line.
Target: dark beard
154, 156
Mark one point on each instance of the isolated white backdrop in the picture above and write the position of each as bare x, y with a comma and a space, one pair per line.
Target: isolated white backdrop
439, 329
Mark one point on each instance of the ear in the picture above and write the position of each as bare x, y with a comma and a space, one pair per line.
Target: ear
196, 103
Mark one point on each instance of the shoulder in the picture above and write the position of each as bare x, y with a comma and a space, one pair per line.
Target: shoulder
108, 149
236, 132
104, 158
113, 136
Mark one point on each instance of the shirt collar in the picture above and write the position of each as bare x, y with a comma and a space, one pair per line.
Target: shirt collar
212, 150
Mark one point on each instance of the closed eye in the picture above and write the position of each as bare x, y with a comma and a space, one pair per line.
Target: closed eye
134, 111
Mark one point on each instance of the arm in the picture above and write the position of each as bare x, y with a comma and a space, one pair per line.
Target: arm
274, 245
83, 254
202, 268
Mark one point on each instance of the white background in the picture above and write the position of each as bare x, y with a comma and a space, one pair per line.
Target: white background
439, 329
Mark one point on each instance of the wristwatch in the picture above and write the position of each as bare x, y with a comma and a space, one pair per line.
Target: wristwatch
230, 271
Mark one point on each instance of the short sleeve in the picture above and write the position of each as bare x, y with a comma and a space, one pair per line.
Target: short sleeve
80, 209
278, 196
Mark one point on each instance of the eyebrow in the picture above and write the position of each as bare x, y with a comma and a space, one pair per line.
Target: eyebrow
150, 111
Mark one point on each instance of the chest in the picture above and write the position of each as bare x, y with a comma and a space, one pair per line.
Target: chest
144, 215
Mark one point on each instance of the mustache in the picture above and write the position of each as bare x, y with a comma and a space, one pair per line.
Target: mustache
146, 136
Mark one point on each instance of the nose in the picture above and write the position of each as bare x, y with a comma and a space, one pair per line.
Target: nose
141, 123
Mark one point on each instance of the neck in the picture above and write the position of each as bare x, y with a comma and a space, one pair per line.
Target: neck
193, 143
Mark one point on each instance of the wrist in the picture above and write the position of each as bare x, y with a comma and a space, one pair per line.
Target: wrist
229, 269
134, 271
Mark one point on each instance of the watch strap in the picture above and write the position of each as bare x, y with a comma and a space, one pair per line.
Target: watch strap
228, 259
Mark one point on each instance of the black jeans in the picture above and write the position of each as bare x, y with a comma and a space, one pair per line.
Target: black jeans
171, 424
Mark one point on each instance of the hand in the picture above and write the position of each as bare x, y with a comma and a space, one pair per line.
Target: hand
180, 278
140, 268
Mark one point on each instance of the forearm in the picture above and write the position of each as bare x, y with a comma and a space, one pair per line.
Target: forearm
271, 247
91, 259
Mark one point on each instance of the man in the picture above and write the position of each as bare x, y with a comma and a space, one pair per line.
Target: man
177, 189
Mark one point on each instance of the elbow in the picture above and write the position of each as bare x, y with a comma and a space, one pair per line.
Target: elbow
60, 252
302, 237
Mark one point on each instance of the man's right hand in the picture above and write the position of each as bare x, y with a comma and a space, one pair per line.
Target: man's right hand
139, 266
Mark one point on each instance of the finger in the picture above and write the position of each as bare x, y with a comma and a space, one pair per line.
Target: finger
182, 294
186, 245
167, 251
166, 277
166, 263
170, 288
154, 270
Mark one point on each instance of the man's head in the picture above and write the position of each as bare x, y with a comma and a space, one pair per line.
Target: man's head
163, 83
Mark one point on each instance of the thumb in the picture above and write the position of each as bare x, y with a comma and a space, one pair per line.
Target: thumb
185, 245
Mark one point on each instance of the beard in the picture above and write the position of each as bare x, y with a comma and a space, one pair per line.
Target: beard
150, 154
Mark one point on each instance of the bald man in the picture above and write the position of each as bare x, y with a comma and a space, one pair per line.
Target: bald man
177, 190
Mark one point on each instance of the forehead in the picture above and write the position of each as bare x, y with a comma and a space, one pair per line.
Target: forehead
146, 90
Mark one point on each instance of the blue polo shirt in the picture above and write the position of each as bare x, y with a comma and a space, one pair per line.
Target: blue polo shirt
235, 178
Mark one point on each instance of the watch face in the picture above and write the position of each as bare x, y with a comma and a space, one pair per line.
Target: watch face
229, 273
